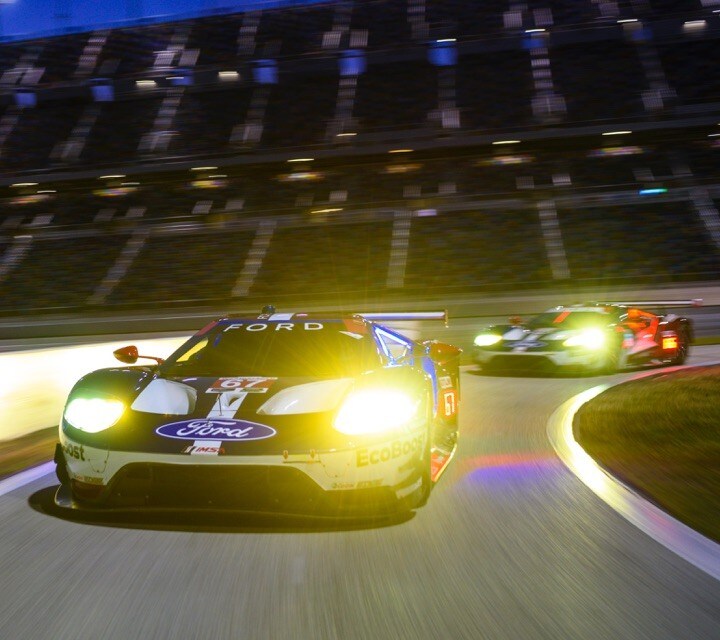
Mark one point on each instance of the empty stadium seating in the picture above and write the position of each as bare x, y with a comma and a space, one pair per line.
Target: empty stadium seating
453, 212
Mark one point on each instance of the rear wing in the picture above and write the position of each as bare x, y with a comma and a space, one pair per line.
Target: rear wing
695, 302
400, 316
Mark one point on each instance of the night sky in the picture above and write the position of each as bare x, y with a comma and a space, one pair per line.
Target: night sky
31, 18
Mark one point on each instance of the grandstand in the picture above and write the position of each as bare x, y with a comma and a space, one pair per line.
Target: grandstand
354, 149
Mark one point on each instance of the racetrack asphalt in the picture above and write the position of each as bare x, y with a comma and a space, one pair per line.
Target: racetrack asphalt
511, 545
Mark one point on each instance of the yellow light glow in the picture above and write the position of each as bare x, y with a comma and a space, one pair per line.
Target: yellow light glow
486, 339
331, 210
375, 411
347, 134
145, 84
112, 176
400, 151
497, 142
24, 184
228, 75
93, 414
588, 338
301, 159
203, 168
616, 133
35, 383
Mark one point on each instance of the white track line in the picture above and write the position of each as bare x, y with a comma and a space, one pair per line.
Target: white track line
671, 533
26, 477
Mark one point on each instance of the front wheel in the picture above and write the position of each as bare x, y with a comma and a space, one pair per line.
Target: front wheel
426, 486
612, 360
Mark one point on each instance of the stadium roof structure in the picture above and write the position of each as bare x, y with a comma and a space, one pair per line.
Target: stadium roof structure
30, 19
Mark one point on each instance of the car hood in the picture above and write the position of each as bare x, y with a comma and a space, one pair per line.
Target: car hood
248, 396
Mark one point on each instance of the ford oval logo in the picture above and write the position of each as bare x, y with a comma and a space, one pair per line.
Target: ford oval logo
214, 429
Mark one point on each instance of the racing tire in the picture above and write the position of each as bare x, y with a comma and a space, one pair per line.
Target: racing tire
61, 467
683, 349
426, 486
612, 360
61, 473
420, 497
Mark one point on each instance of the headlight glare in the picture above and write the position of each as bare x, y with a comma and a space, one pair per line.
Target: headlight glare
588, 339
93, 414
375, 411
487, 339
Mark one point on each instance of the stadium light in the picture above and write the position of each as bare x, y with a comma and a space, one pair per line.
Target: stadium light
694, 25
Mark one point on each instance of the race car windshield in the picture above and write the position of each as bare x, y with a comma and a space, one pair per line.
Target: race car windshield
297, 349
569, 320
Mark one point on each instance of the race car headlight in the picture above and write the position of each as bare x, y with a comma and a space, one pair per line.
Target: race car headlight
374, 411
487, 339
93, 414
588, 339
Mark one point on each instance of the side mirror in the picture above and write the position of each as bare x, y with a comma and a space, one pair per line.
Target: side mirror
443, 353
128, 355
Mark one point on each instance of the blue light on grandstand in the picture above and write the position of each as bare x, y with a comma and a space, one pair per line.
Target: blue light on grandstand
641, 35
352, 62
183, 78
265, 72
652, 192
535, 39
443, 53
25, 98
102, 90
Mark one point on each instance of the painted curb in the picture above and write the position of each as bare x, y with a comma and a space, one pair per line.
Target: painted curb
690, 545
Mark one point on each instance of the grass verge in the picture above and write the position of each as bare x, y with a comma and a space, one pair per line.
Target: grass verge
661, 435
27, 451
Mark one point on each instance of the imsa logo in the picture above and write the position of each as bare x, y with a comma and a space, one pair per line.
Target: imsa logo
205, 448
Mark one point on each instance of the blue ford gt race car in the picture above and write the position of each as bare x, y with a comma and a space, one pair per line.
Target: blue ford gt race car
593, 337
288, 412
